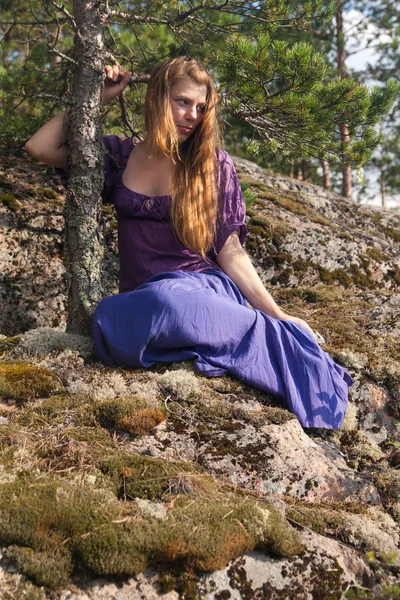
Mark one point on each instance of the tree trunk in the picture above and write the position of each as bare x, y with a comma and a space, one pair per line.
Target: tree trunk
297, 170
84, 249
347, 184
383, 188
305, 169
347, 187
326, 174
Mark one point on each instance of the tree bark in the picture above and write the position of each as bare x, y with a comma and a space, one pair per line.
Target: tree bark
84, 249
347, 183
297, 170
347, 186
383, 188
305, 169
326, 175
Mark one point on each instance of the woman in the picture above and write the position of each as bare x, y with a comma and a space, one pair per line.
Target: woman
184, 275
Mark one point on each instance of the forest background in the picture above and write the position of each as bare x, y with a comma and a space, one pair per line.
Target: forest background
288, 99
37, 44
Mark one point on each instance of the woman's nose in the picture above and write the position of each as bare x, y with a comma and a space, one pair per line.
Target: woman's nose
191, 113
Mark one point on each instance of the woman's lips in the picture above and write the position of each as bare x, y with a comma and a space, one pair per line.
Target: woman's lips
185, 129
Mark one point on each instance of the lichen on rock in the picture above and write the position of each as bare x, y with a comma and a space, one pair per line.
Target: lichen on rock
163, 480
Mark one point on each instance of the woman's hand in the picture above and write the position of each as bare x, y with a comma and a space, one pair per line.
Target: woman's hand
115, 82
284, 317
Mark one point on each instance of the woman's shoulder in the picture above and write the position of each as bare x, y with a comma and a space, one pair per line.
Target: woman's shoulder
223, 157
226, 168
118, 149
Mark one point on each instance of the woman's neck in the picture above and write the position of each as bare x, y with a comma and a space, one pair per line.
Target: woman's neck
152, 152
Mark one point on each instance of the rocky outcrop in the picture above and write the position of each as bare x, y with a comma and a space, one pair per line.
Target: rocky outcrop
162, 483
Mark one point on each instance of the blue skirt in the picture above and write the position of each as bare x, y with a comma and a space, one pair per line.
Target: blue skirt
178, 315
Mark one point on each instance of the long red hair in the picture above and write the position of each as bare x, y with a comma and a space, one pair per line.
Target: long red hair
194, 185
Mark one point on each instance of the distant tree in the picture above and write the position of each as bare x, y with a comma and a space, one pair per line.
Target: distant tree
386, 42
278, 90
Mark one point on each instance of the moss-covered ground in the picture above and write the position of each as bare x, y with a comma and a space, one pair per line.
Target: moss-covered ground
74, 497
77, 496
276, 215
70, 491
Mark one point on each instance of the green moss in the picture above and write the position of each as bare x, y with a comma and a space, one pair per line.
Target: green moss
13, 583
393, 234
9, 201
312, 296
52, 526
377, 255
256, 230
76, 409
126, 473
388, 485
386, 592
393, 275
277, 415
46, 517
274, 230
167, 582
319, 518
208, 407
56, 405
50, 569
377, 219
359, 276
9, 438
8, 344
322, 221
111, 413
225, 524
5, 182
142, 422
247, 181
42, 515
90, 435
294, 203
278, 538
358, 448
48, 193
340, 316
188, 587
22, 382
336, 276
290, 203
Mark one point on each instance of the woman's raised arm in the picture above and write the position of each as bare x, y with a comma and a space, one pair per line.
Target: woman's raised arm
47, 144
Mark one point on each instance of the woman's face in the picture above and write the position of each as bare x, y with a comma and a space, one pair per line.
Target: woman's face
188, 100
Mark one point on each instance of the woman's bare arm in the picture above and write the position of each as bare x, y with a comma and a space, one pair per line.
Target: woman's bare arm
48, 145
236, 263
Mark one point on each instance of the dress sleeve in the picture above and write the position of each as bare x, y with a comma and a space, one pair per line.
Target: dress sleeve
232, 209
116, 155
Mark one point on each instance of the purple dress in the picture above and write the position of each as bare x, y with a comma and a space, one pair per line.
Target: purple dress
176, 306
